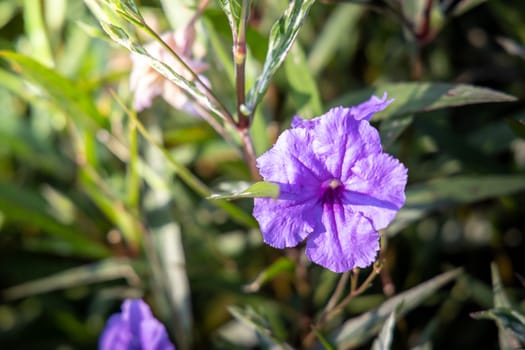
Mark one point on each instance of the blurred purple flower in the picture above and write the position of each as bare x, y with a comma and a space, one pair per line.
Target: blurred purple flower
147, 83
337, 187
135, 328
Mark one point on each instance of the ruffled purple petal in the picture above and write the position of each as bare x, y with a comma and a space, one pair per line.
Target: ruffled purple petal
135, 328
349, 240
337, 187
376, 188
116, 335
340, 141
286, 223
366, 110
291, 161
154, 336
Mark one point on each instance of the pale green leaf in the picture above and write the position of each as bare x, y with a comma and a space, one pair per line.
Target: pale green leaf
243, 189
384, 340
232, 9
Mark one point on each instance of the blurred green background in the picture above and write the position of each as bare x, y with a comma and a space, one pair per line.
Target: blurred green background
91, 211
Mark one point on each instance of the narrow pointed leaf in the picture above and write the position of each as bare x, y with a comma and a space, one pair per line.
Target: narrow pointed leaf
18, 204
282, 36
507, 340
232, 9
511, 320
422, 198
77, 103
360, 329
384, 340
421, 97
105, 270
242, 189
252, 320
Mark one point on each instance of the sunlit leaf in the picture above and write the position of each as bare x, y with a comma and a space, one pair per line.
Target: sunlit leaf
77, 103
243, 189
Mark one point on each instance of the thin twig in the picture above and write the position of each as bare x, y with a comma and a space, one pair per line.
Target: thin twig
338, 292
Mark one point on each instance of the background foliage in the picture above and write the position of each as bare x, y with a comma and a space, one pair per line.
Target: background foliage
96, 203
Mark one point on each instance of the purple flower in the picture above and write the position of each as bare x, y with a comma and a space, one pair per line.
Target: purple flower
135, 328
337, 186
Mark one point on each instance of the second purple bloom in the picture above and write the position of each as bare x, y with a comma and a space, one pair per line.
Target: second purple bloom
337, 187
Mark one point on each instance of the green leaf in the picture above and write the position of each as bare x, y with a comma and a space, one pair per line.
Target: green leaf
510, 322
384, 340
304, 90
358, 330
391, 128
282, 36
105, 270
509, 319
280, 266
19, 204
243, 189
232, 9
252, 320
77, 103
343, 19
422, 198
36, 32
422, 97
517, 126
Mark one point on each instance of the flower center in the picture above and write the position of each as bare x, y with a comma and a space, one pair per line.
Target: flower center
331, 191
